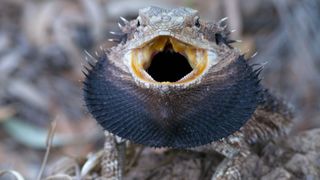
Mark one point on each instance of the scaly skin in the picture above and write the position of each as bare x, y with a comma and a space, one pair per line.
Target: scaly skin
220, 102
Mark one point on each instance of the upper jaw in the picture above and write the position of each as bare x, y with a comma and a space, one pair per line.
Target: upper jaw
188, 37
140, 58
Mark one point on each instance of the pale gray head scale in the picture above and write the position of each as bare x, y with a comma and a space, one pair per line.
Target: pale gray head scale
167, 19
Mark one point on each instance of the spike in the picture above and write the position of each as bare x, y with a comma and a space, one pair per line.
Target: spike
254, 55
264, 64
120, 25
259, 65
230, 41
116, 33
90, 56
258, 70
124, 20
86, 68
114, 40
119, 139
112, 32
225, 27
85, 73
91, 65
223, 20
238, 41
255, 64
233, 30
86, 86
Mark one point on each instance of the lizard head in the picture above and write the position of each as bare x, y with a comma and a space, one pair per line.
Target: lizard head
172, 81
169, 47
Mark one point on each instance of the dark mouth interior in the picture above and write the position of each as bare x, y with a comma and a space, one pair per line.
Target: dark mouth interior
168, 66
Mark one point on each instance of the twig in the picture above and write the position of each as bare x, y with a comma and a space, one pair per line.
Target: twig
134, 159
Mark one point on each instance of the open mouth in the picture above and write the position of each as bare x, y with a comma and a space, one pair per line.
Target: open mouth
168, 65
165, 59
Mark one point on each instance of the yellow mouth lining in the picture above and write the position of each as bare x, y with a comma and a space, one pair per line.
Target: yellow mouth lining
142, 57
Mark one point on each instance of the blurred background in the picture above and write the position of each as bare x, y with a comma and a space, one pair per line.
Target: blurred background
42, 47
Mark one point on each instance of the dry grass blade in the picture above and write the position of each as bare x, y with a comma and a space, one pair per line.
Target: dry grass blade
16, 174
134, 159
48, 144
91, 163
59, 177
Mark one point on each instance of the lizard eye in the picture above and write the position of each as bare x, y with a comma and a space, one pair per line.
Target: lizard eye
138, 23
197, 22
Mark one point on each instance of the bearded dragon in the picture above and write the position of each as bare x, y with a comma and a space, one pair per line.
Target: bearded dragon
173, 80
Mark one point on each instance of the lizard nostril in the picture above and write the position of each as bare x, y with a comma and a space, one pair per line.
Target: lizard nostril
166, 18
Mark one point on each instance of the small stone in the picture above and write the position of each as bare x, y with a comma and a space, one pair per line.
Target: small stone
304, 165
278, 173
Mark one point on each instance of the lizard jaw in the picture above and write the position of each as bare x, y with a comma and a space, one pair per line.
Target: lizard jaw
187, 62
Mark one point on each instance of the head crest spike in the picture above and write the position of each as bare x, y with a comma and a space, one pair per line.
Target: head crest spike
89, 58
254, 55
222, 20
124, 20
116, 33
114, 40
120, 26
